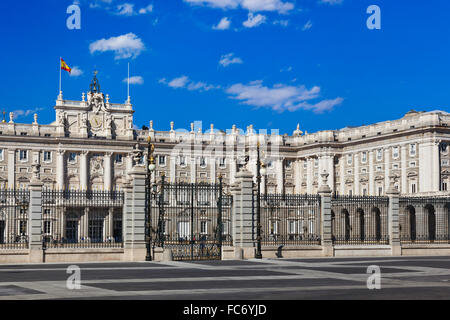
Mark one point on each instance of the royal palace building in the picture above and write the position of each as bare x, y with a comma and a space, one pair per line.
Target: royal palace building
92, 144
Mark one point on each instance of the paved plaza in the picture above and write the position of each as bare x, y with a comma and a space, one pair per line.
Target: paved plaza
320, 278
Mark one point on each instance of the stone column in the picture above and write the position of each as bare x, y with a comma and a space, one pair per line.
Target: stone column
84, 170
372, 191
212, 166
60, 170
173, 168
309, 175
36, 254
342, 174
325, 213
356, 175
232, 162
394, 218
12, 168
403, 181
436, 173
297, 177
387, 168
243, 225
107, 177
129, 164
279, 174
135, 248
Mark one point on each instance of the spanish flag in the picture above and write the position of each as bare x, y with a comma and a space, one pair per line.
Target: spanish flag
64, 66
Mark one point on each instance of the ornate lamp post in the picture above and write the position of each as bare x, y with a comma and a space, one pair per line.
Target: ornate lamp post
260, 170
150, 168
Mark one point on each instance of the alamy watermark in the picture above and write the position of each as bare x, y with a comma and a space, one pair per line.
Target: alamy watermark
74, 20
374, 20
74, 280
374, 280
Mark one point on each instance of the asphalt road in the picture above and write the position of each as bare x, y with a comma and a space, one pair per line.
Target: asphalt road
269, 279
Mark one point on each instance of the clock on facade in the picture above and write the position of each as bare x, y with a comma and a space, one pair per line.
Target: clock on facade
96, 121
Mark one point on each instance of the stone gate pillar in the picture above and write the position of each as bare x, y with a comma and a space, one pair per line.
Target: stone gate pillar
243, 224
394, 218
325, 213
134, 216
36, 254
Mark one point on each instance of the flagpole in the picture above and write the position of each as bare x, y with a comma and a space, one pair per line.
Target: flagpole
128, 89
59, 75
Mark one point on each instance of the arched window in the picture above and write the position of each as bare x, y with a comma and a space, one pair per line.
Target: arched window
431, 222
346, 225
412, 222
362, 224
377, 219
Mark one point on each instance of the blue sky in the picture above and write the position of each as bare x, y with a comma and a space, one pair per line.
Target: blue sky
270, 63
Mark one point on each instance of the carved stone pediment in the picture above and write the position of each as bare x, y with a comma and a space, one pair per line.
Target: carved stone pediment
378, 178
348, 181
412, 174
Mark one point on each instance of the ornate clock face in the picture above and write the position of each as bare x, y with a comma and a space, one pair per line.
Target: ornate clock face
96, 122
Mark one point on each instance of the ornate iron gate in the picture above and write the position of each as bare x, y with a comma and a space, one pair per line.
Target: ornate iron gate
192, 220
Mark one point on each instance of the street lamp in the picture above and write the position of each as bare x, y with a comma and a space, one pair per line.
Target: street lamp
150, 168
260, 169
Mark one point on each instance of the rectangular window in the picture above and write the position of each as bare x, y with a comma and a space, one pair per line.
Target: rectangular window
350, 192
316, 163
1, 154
119, 158
47, 156
274, 229
364, 192
395, 152
379, 154
23, 227
413, 188
47, 225
380, 191
349, 159
23, 155
288, 163
184, 230
412, 149
182, 160
162, 160
291, 226
203, 227
202, 162
222, 162
72, 157
364, 157
444, 186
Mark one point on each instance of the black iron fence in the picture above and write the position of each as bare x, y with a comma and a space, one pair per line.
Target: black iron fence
424, 219
82, 219
359, 220
193, 220
288, 219
14, 206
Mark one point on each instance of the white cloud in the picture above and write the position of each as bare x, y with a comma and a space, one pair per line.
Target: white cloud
24, 113
267, 5
134, 80
146, 10
227, 59
185, 82
223, 24
332, 2
308, 25
223, 4
281, 97
76, 72
254, 21
250, 5
124, 46
126, 9
179, 82
283, 23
